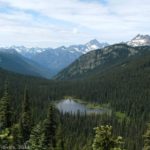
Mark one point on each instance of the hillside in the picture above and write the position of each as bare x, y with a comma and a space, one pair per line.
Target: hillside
99, 61
13, 61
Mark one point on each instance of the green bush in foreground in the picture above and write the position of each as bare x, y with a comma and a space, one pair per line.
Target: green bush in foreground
104, 140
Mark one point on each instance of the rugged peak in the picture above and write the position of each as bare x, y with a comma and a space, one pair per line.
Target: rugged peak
95, 44
62, 48
140, 40
139, 36
94, 41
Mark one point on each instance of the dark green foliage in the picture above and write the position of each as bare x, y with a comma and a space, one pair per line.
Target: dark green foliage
146, 137
104, 139
25, 120
78, 131
50, 127
15, 132
5, 110
46, 135
60, 139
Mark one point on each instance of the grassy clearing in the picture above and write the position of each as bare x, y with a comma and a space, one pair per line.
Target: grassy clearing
122, 116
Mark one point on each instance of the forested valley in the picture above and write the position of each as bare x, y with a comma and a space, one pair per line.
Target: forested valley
29, 120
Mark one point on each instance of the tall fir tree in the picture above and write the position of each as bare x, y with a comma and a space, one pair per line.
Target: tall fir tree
59, 139
36, 138
5, 109
50, 127
15, 132
25, 120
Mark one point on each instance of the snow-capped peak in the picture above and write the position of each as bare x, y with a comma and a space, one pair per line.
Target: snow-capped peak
62, 48
140, 40
77, 49
139, 36
19, 49
24, 50
94, 44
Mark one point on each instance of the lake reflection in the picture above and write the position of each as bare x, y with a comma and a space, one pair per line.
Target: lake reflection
71, 106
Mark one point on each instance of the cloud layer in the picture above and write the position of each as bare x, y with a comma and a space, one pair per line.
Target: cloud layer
63, 22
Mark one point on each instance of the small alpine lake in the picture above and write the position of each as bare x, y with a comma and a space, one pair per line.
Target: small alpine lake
74, 107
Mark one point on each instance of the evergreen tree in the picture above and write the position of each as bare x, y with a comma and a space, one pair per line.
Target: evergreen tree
25, 120
36, 138
5, 109
59, 139
6, 139
50, 127
15, 132
146, 137
104, 139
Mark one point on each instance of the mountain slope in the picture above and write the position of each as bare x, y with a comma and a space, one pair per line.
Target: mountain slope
56, 59
100, 61
13, 61
59, 58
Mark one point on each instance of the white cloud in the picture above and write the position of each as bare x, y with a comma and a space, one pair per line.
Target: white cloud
113, 22
75, 31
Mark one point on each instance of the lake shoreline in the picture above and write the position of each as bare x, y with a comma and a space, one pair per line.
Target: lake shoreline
90, 104
69, 104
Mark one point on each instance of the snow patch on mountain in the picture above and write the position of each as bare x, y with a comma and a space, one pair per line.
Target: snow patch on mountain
140, 40
93, 45
23, 49
56, 59
82, 48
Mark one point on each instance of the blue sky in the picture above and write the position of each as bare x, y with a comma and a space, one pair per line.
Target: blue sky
52, 23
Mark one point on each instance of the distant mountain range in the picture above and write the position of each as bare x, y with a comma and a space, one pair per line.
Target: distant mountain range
47, 62
82, 48
52, 60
